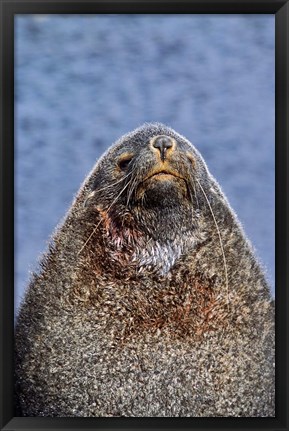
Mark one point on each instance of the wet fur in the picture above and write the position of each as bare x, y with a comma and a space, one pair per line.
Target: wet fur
145, 304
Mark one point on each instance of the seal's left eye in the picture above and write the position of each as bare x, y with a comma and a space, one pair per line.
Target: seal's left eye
124, 161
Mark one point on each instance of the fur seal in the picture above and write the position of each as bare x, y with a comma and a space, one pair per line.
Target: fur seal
149, 300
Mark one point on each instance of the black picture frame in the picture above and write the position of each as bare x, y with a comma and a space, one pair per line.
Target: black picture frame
9, 9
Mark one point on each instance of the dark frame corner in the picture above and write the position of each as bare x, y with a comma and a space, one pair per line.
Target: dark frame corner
8, 8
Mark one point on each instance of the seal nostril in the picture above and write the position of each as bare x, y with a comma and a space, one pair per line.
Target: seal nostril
163, 143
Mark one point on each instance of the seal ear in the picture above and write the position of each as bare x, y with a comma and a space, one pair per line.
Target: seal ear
93, 187
89, 197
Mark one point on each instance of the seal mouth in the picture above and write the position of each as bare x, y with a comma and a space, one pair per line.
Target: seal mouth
163, 174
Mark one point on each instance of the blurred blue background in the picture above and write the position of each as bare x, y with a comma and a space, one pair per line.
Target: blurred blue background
81, 81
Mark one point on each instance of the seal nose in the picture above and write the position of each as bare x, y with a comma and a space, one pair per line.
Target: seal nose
163, 143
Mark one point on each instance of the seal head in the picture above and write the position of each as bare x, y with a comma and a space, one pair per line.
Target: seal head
145, 188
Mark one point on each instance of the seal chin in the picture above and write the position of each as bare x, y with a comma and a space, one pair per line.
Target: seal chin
162, 190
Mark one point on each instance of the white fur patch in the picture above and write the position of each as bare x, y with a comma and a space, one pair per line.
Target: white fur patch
161, 257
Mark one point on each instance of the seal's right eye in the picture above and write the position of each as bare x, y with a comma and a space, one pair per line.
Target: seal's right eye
124, 160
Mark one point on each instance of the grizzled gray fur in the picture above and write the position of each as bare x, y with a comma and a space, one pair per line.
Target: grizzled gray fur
149, 300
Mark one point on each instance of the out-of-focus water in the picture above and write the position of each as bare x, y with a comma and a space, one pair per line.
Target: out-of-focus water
83, 81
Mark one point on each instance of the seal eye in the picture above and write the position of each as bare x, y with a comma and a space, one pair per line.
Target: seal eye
124, 160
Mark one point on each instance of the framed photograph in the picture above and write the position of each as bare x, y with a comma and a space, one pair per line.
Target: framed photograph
144, 207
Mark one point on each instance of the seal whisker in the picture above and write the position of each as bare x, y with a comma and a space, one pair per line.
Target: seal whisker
133, 184
94, 192
112, 185
221, 242
94, 230
196, 196
118, 196
88, 239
